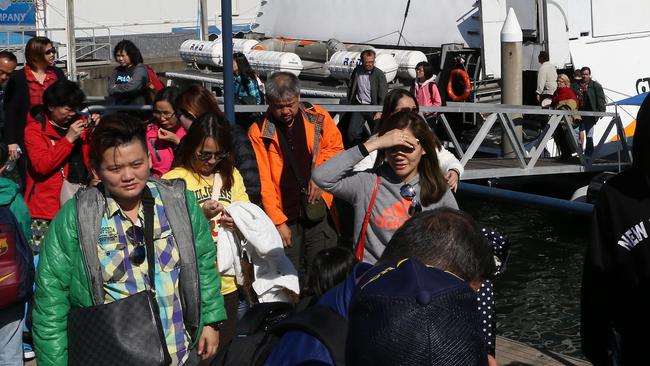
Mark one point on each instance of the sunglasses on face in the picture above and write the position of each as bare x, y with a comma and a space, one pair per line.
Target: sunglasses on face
135, 236
50, 51
205, 156
407, 192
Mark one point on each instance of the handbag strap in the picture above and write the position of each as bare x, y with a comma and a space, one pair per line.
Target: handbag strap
361, 244
147, 203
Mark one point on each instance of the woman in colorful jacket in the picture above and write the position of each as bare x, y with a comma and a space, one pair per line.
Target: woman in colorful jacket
247, 88
91, 256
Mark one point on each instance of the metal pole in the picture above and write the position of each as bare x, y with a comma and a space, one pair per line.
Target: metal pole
203, 9
511, 76
228, 78
71, 62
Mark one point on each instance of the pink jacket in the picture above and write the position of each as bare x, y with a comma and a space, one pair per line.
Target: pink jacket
426, 95
162, 152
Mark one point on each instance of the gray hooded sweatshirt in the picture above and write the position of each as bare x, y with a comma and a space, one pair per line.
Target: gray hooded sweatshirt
389, 211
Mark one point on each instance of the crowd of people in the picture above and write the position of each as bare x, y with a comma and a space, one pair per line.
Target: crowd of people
172, 229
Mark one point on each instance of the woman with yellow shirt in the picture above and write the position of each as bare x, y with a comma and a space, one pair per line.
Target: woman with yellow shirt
205, 163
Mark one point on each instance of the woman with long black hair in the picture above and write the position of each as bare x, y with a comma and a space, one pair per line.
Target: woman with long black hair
406, 179
247, 88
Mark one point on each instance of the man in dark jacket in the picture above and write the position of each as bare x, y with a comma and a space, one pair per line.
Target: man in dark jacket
417, 239
616, 279
367, 86
7, 65
592, 99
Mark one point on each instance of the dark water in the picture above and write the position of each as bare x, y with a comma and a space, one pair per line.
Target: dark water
538, 297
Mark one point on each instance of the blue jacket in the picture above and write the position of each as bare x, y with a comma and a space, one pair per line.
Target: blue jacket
298, 348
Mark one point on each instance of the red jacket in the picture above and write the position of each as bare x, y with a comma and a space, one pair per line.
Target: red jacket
44, 179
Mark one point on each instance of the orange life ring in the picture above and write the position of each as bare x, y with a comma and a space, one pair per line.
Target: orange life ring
467, 85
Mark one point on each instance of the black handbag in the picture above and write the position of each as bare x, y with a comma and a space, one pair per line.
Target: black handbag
124, 332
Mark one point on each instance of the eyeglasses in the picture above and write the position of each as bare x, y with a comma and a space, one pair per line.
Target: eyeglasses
135, 236
50, 51
205, 156
407, 192
165, 115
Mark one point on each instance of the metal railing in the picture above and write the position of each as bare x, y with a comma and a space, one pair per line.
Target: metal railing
82, 50
527, 158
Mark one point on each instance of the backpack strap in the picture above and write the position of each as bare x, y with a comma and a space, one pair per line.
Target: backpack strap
317, 119
323, 323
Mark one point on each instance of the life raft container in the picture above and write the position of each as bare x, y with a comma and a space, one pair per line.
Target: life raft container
456, 76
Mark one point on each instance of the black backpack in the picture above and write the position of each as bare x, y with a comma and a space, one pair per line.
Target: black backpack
16, 262
263, 325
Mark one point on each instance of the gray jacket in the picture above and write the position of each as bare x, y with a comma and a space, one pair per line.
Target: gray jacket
90, 209
388, 213
378, 86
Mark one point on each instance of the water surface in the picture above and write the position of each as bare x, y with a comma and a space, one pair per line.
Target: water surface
538, 297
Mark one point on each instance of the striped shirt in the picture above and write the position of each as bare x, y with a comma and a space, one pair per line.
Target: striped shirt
122, 278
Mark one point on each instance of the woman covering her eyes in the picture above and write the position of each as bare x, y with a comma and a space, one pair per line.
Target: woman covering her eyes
205, 163
406, 179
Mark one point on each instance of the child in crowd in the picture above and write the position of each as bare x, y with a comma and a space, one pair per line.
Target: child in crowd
164, 132
15, 253
329, 268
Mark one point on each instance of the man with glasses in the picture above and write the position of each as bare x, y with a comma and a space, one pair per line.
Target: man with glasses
367, 86
95, 254
592, 99
289, 142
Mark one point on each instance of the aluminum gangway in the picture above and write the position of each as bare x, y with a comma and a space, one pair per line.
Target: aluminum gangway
529, 160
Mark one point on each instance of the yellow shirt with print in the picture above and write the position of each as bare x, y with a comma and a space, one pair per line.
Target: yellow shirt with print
202, 189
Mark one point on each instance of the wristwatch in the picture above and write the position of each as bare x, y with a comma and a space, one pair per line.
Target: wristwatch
216, 325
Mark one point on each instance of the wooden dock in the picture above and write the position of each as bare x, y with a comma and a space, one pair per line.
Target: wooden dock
513, 353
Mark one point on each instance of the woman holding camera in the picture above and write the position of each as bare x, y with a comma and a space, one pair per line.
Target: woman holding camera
56, 139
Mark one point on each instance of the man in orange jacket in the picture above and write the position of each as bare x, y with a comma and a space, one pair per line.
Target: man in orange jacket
298, 208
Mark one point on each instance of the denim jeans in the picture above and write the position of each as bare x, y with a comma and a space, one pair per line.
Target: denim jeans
11, 336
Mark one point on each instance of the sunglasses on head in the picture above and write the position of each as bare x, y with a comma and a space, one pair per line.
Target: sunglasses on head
407, 192
205, 156
50, 51
135, 236
186, 114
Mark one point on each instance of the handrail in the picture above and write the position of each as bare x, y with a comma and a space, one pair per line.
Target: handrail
527, 158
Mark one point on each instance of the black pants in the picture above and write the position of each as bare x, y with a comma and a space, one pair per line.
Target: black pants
308, 239
356, 132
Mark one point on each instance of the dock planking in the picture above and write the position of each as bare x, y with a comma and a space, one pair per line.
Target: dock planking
513, 353
479, 168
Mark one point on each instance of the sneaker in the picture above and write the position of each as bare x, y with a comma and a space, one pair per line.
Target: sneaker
28, 352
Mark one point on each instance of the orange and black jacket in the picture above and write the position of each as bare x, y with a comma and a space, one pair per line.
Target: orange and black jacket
320, 131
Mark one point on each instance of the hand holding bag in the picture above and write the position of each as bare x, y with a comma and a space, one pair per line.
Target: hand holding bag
124, 332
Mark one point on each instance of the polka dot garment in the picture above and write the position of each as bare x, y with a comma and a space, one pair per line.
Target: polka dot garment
500, 245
